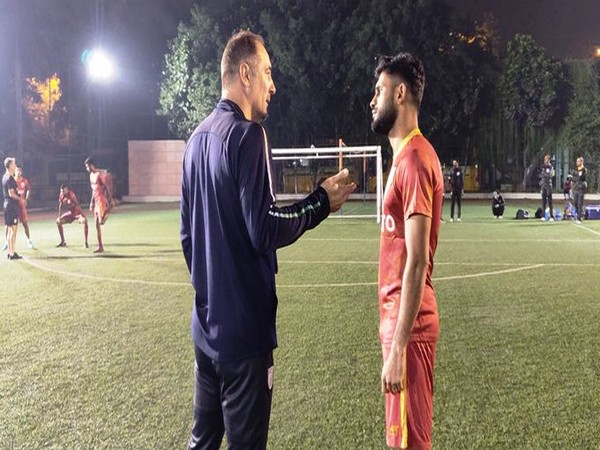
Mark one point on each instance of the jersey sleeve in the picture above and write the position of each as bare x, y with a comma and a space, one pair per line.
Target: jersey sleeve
269, 226
414, 184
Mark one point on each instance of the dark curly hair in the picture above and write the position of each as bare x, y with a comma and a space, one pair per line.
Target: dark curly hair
410, 70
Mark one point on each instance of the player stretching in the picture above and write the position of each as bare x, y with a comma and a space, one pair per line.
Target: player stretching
69, 211
410, 225
99, 203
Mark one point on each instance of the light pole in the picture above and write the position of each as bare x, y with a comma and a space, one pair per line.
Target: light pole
100, 70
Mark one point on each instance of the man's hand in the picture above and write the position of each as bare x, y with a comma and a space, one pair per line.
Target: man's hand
392, 374
338, 189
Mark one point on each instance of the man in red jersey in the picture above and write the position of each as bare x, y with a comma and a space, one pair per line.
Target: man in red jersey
410, 225
23, 190
69, 211
101, 199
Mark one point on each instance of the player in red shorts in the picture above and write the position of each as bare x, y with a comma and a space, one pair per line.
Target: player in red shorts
102, 199
69, 211
412, 209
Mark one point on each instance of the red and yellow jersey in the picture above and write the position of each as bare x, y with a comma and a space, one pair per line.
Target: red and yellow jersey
69, 203
22, 187
415, 186
98, 184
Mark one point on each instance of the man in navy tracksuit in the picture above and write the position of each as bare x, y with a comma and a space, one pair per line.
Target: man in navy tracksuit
546, 175
230, 230
457, 185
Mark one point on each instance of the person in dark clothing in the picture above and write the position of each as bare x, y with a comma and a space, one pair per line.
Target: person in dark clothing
12, 202
498, 205
581, 185
567, 187
546, 175
457, 186
230, 231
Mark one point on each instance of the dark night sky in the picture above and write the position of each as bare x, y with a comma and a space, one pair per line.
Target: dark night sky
136, 33
565, 28
138, 30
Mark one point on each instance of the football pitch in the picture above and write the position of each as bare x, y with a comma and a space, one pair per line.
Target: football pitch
95, 351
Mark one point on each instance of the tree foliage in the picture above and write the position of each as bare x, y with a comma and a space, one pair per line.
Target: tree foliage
324, 54
534, 94
191, 66
582, 125
41, 98
191, 81
533, 86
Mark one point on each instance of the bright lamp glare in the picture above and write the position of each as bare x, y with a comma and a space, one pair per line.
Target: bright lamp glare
99, 66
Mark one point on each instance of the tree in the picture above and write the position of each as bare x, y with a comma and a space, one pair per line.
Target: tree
41, 98
35, 44
191, 80
534, 89
582, 125
315, 103
581, 133
324, 54
191, 84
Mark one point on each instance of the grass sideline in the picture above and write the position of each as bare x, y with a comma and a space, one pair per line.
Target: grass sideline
108, 364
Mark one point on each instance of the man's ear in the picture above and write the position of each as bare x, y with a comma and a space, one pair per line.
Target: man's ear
244, 74
400, 93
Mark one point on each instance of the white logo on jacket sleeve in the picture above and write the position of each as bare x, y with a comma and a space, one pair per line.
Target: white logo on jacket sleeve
270, 377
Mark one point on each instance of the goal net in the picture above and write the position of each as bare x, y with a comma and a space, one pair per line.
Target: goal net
298, 171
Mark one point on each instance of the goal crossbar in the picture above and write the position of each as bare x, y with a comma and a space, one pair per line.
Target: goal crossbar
338, 153
330, 150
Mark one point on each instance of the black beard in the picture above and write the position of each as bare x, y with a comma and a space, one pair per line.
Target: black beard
385, 121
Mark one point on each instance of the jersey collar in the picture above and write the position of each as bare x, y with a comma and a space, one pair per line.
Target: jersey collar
412, 134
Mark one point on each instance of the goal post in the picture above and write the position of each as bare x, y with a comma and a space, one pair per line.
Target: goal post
298, 171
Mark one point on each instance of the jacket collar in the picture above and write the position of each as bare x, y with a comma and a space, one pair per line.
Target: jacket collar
229, 105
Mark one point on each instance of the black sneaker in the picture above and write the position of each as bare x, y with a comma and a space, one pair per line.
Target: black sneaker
14, 256
86, 245
62, 244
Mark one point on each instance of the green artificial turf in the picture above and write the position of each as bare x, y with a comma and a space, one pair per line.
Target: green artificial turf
95, 352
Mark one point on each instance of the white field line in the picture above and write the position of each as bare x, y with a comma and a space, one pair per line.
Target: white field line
586, 228
374, 283
443, 263
312, 285
461, 240
485, 274
94, 277
327, 285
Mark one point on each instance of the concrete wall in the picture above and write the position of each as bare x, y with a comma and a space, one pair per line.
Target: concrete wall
155, 170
